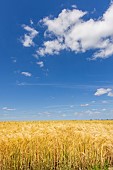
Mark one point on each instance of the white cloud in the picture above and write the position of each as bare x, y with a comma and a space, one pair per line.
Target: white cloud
104, 110
105, 52
63, 115
28, 38
71, 106
50, 47
90, 112
87, 113
74, 6
8, 109
76, 34
31, 22
46, 113
110, 94
84, 105
103, 91
65, 19
40, 63
27, 74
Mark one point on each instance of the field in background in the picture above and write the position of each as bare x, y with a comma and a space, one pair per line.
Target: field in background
58, 145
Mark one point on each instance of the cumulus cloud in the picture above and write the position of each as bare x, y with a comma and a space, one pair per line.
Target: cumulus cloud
8, 109
27, 74
102, 91
28, 38
50, 47
70, 31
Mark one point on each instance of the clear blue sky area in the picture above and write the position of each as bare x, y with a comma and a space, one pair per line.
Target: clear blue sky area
56, 60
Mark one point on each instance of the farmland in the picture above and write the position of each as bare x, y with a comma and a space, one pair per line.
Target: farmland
58, 145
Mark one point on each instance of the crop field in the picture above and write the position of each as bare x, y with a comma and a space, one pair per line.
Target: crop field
56, 145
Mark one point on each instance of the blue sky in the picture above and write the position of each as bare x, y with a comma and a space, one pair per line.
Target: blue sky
56, 60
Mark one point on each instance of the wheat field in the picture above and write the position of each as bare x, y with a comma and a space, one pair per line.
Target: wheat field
56, 145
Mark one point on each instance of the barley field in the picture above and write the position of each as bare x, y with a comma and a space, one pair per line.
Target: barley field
56, 145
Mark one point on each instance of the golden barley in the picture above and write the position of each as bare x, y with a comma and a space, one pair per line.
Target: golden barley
58, 145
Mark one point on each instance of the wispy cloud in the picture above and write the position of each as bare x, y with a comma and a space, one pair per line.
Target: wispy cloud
74, 6
27, 74
105, 102
40, 63
28, 38
93, 101
85, 105
63, 115
88, 113
60, 106
72, 86
14, 61
104, 110
8, 109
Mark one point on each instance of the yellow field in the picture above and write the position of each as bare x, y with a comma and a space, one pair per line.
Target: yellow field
58, 145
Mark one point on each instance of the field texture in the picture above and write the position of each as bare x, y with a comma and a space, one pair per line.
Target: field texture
56, 145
